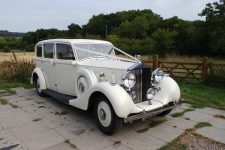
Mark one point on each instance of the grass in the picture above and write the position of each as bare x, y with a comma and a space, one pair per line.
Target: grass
71, 144
200, 95
6, 56
30, 56
151, 125
183, 58
180, 143
6, 85
37, 119
13, 105
3, 101
176, 144
202, 125
219, 116
179, 114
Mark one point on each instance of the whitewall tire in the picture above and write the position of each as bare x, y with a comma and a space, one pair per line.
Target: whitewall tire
106, 119
38, 87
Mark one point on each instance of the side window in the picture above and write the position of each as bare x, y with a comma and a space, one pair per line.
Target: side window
48, 50
64, 51
39, 51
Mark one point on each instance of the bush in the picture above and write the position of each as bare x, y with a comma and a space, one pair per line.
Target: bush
216, 75
16, 70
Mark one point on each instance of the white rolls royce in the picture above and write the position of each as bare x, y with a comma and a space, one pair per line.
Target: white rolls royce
95, 74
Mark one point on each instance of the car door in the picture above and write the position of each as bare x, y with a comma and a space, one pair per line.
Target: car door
64, 70
48, 65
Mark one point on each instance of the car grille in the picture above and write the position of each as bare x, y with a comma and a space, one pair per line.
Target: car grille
143, 82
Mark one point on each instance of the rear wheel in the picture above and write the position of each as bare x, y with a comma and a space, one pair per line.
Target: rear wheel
107, 121
38, 88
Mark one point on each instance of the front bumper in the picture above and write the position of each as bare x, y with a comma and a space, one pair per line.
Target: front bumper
144, 115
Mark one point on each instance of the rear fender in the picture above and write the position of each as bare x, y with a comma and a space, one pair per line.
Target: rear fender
41, 77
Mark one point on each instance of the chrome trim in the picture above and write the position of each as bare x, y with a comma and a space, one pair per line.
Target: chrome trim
144, 115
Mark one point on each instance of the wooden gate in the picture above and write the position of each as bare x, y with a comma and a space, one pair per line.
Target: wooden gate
191, 72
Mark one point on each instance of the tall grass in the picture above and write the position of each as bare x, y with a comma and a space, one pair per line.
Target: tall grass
14, 70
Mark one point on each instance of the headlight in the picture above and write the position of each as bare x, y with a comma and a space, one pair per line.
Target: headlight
157, 75
129, 80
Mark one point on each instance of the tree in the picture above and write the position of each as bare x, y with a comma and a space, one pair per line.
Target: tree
163, 41
74, 30
215, 26
97, 25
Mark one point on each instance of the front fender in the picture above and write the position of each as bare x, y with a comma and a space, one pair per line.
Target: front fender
40, 76
121, 102
169, 91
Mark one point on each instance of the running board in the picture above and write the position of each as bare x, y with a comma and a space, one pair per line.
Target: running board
59, 96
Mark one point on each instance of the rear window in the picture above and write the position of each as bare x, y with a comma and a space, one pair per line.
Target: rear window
39, 51
48, 50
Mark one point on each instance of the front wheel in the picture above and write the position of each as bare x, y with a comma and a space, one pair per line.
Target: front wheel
38, 88
107, 120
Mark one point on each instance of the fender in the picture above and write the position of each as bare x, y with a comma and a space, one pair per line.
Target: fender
40, 76
121, 101
169, 91
89, 75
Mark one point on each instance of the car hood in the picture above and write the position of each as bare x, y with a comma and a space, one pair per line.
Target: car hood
107, 63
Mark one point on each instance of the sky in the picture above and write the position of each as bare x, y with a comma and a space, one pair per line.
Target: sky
30, 15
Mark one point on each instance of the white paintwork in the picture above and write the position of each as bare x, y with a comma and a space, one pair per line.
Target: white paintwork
75, 41
98, 74
121, 101
170, 91
106, 63
41, 78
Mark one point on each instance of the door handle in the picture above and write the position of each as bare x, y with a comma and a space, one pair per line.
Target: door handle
52, 62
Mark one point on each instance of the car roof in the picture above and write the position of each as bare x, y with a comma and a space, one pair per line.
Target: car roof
76, 41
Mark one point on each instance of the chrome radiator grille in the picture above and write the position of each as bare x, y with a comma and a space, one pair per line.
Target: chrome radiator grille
143, 82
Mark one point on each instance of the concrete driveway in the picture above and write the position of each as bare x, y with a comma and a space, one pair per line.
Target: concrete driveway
32, 122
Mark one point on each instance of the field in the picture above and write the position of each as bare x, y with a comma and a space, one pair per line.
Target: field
199, 95
19, 55
30, 55
175, 58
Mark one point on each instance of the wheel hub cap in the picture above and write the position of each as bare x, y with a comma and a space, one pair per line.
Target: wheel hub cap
102, 114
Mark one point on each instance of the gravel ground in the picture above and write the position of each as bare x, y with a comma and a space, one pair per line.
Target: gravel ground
197, 142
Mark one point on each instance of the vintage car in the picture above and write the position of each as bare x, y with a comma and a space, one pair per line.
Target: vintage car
93, 74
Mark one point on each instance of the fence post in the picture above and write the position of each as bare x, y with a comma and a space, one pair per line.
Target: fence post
155, 61
205, 68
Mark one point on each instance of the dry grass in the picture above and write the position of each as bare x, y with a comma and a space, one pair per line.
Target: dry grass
30, 56
19, 55
175, 58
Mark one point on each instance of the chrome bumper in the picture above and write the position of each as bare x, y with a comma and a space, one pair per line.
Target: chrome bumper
143, 115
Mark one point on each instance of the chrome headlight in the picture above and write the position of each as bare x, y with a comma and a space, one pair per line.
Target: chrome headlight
129, 80
157, 76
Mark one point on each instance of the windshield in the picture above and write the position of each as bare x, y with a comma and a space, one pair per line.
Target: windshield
94, 50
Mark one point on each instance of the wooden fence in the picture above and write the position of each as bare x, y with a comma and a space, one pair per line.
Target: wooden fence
190, 72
